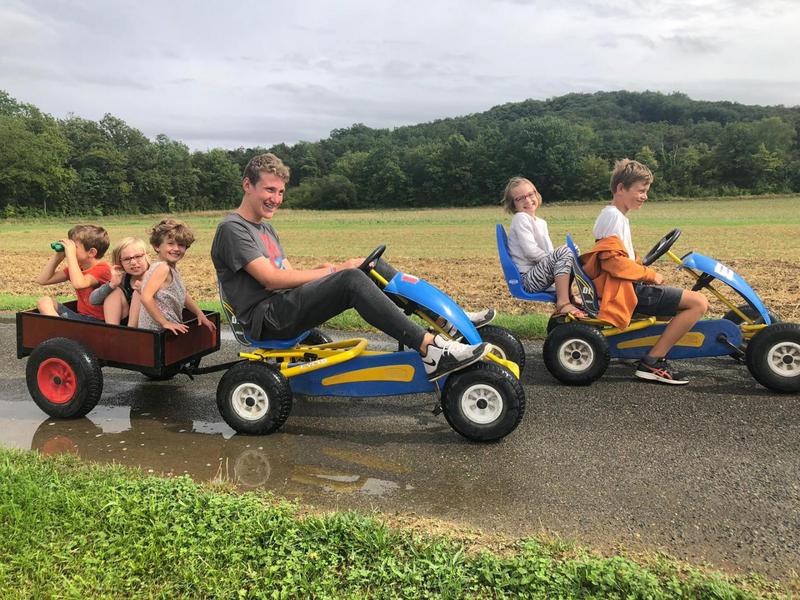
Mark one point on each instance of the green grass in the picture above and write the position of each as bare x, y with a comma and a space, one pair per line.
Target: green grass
73, 530
761, 227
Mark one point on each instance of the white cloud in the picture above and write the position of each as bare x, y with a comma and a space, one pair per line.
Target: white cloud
261, 72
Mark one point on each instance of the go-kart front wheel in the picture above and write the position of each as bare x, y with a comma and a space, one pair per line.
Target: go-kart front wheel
506, 345
773, 357
254, 398
576, 353
64, 378
483, 402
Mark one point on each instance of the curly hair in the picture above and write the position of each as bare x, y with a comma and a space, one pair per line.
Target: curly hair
265, 163
171, 229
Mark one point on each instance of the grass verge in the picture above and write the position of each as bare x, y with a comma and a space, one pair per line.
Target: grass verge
75, 530
525, 326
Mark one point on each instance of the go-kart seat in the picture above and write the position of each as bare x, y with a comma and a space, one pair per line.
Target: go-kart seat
586, 289
512, 275
241, 336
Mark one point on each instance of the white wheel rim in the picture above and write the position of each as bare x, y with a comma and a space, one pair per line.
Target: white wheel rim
481, 403
784, 359
250, 401
575, 355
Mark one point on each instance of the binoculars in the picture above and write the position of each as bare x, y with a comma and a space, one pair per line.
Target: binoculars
57, 246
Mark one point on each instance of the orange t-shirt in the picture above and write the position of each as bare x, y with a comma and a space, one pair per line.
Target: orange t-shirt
101, 271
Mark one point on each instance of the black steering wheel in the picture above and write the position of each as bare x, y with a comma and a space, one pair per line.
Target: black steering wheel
373, 256
661, 247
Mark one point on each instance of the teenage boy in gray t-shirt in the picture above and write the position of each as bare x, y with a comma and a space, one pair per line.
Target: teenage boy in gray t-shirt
272, 300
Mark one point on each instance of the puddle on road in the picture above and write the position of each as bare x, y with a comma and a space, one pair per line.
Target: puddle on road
290, 465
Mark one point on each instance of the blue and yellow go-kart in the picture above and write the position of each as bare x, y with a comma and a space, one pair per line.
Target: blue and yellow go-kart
578, 351
483, 402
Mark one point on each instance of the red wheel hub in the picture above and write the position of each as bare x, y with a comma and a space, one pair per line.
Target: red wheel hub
56, 380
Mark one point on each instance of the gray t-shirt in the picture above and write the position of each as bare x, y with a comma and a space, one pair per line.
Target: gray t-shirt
237, 243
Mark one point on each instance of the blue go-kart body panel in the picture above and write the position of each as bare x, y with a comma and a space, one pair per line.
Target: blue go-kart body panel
380, 374
423, 293
701, 341
716, 269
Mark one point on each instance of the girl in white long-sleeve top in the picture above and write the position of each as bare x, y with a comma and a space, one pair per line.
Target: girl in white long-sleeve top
540, 264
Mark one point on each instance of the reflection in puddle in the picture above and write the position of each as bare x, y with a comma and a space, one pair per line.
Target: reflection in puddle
209, 451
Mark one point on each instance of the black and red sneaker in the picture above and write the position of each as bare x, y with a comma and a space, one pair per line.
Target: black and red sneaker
660, 371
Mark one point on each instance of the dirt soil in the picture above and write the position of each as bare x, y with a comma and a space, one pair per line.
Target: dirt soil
473, 282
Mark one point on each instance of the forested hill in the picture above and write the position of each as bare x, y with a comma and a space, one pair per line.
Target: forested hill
565, 144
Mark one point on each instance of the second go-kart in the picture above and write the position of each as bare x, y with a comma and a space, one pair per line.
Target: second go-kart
483, 402
578, 351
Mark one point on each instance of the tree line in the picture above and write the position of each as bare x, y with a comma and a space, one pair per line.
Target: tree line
566, 145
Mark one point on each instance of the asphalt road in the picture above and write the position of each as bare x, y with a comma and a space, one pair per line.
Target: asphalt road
709, 472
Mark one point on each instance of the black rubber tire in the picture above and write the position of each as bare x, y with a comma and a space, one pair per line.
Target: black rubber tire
508, 344
751, 313
555, 321
315, 338
70, 368
265, 387
576, 353
773, 357
478, 387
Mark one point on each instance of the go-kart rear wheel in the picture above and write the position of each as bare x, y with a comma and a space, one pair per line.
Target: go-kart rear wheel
576, 353
483, 402
773, 357
254, 398
64, 378
507, 345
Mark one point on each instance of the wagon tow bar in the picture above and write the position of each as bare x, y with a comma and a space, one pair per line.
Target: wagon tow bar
190, 371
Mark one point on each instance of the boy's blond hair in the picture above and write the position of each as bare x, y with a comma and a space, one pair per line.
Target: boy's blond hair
627, 172
265, 163
116, 253
171, 228
508, 197
91, 236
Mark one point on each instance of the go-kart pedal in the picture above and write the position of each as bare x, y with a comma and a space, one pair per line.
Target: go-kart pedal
444, 356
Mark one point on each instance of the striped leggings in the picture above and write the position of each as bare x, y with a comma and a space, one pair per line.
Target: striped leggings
544, 273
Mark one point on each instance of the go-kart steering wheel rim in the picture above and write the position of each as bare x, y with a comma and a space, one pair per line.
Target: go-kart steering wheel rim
662, 247
373, 256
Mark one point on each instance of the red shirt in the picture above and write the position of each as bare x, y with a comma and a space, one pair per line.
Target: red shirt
101, 271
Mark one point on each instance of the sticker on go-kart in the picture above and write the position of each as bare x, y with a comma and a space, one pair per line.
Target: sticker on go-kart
724, 273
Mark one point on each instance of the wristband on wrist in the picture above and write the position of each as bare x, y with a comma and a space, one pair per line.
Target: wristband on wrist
332, 269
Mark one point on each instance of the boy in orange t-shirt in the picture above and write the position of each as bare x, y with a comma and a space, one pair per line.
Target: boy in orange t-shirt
84, 246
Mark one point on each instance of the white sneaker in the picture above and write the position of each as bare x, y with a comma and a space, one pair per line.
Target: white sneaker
482, 317
444, 356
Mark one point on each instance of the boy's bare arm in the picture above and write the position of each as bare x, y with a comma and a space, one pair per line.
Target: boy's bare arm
49, 274
273, 278
78, 280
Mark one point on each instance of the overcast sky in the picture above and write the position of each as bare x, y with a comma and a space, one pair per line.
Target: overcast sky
247, 73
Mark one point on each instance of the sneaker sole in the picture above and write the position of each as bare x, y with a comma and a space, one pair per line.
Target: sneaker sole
463, 366
657, 379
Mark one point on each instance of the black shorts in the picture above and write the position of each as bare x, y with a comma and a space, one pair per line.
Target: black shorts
657, 300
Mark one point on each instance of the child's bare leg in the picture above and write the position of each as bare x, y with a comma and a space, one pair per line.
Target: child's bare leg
135, 308
115, 307
692, 307
47, 306
564, 304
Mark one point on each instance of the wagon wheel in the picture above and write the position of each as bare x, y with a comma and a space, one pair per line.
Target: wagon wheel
773, 357
576, 353
64, 378
506, 344
254, 398
483, 402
